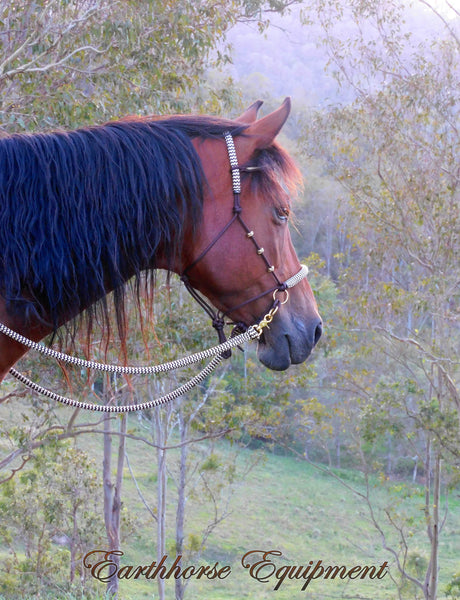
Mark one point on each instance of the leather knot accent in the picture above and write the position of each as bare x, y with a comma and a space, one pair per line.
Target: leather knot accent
218, 323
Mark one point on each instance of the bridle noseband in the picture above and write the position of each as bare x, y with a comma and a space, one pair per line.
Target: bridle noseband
218, 317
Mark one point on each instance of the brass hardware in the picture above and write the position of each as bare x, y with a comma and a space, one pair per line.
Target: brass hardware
265, 322
285, 299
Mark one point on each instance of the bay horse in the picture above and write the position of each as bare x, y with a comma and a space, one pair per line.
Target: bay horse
84, 211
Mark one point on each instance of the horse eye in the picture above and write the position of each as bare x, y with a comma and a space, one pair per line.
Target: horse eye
282, 212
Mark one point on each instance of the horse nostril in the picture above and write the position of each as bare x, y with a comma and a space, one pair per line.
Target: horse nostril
318, 332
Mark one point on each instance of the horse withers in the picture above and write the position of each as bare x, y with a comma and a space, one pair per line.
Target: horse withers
84, 211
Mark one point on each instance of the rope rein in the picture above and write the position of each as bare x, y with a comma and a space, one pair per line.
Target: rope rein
217, 353
110, 408
250, 334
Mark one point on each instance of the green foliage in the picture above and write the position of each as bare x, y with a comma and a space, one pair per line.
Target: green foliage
393, 150
416, 564
452, 589
285, 494
49, 516
72, 63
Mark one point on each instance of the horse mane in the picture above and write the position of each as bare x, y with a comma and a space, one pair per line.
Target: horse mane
82, 211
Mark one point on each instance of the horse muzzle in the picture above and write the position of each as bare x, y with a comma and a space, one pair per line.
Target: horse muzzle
289, 340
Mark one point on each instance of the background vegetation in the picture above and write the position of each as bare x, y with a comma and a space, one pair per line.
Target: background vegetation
352, 458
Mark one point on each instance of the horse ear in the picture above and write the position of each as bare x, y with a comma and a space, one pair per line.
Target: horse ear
264, 131
250, 114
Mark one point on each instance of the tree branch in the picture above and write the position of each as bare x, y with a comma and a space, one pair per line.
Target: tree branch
139, 493
440, 16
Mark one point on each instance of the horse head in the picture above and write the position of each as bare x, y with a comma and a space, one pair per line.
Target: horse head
235, 269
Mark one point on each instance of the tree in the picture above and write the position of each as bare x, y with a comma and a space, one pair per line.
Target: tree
395, 150
188, 471
50, 511
73, 63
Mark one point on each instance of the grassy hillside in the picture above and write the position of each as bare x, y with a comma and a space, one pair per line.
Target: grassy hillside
284, 504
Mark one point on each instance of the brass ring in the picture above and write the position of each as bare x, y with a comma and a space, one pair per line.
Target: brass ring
285, 299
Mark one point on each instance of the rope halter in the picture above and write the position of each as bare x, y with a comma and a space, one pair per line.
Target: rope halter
218, 317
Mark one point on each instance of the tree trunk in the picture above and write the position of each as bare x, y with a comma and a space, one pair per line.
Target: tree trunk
337, 446
74, 543
431, 580
180, 513
389, 455
414, 472
162, 482
112, 493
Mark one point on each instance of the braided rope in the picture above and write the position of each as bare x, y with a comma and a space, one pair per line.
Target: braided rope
236, 178
250, 334
216, 351
181, 390
297, 278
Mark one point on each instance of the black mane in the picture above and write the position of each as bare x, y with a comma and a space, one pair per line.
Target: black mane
82, 211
